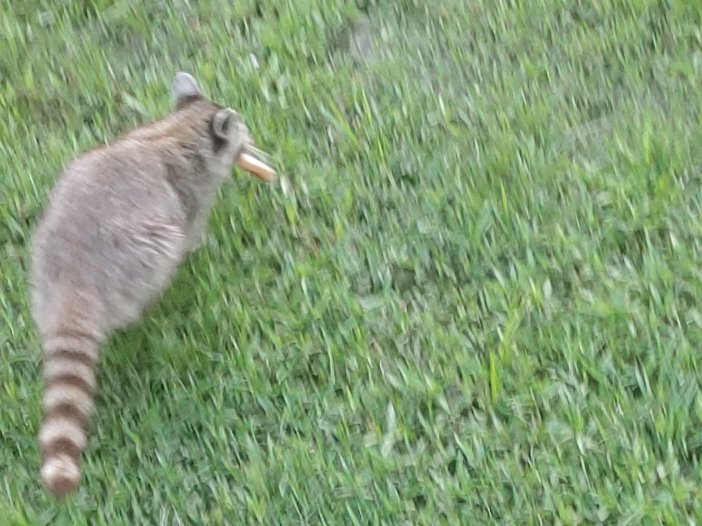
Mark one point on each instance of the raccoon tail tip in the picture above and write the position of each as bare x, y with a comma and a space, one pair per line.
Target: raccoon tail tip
61, 475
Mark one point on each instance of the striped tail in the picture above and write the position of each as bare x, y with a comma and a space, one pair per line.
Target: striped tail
70, 357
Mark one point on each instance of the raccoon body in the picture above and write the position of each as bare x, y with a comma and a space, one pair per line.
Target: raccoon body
118, 222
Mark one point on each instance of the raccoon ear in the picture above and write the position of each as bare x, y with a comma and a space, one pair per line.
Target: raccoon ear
221, 122
184, 87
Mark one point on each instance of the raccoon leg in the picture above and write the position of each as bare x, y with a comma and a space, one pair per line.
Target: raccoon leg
197, 233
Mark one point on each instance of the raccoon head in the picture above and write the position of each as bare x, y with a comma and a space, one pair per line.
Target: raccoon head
222, 128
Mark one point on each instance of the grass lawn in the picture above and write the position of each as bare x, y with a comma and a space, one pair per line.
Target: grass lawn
473, 298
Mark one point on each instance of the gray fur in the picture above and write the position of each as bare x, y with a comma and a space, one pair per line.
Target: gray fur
119, 221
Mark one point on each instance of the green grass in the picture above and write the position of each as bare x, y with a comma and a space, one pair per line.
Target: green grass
473, 298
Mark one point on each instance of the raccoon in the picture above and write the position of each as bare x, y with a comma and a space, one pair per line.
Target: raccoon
118, 222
